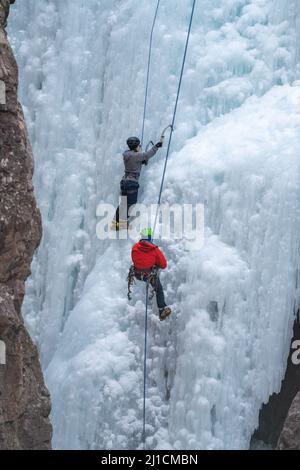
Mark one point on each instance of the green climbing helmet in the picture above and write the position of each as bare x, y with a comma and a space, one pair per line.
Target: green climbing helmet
147, 233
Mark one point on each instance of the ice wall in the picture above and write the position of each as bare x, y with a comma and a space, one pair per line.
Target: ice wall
223, 352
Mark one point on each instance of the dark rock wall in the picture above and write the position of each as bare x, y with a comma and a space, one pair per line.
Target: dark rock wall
24, 399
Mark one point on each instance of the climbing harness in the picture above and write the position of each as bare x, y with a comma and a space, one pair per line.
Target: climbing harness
131, 281
142, 275
171, 127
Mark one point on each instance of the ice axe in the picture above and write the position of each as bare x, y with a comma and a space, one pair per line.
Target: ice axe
162, 139
151, 143
163, 136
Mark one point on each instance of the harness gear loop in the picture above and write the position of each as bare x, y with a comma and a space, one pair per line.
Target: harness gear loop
142, 275
131, 281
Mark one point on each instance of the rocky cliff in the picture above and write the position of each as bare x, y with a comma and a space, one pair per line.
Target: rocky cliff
290, 436
24, 399
273, 416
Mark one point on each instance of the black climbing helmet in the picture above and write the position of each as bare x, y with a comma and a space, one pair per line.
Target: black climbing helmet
133, 142
147, 233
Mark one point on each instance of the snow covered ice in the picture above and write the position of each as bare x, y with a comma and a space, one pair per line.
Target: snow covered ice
235, 149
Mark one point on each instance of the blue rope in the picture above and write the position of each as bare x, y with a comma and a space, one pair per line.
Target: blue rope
147, 288
162, 183
148, 72
174, 114
145, 366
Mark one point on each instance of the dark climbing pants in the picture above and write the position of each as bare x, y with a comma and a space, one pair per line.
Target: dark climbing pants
132, 197
157, 286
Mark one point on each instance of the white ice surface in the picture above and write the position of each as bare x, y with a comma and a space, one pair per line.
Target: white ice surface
236, 149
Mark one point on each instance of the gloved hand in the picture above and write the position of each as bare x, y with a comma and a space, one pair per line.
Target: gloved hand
159, 145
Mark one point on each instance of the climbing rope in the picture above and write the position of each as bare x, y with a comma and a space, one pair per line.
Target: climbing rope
147, 287
145, 367
148, 72
163, 178
174, 113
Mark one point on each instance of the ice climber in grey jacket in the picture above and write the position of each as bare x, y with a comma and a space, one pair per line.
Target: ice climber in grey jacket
133, 158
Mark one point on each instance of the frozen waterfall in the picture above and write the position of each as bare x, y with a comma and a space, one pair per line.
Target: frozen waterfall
236, 150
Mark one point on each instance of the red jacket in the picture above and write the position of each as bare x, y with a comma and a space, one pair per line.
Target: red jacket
146, 255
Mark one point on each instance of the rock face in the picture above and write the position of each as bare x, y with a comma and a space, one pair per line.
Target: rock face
4, 11
24, 399
273, 414
290, 436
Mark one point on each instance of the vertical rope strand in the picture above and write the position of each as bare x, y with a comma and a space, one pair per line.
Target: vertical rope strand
162, 182
148, 72
175, 113
145, 366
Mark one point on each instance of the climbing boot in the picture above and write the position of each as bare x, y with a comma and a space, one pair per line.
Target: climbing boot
164, 313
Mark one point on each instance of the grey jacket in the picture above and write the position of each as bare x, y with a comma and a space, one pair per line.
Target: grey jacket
133, 162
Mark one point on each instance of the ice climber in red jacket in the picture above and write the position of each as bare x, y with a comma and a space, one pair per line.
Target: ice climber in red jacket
148, 259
